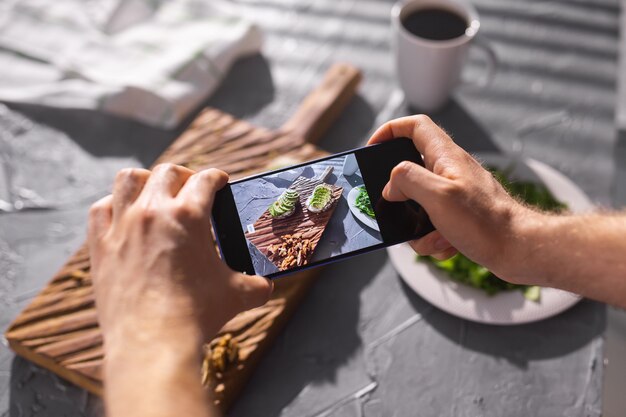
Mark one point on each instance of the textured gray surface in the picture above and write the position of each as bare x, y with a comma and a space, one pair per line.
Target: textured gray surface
620, 117
343, 234
362, 343
613, 400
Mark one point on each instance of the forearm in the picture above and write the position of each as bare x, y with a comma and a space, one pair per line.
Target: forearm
585, 254
156, 377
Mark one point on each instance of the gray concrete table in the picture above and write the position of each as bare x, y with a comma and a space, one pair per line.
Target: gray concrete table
362, 343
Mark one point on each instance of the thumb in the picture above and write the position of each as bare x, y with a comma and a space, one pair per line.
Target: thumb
256, 290
410, 181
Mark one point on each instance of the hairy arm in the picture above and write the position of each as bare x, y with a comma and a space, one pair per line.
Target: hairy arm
474, 215
585, 254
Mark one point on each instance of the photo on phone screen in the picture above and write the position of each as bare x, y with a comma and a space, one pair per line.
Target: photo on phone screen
306, 214
297, 217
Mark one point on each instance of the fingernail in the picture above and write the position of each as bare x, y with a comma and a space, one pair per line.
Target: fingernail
441, 244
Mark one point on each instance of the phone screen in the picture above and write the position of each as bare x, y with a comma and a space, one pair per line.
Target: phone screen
312, 213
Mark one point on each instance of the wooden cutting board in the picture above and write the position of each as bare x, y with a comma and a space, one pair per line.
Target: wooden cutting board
59, 330
270, 232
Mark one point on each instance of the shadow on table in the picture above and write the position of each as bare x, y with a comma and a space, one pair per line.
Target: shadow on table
320, 338
619, 183
466, 131
246, 89
38, 392
520, 344
103, 134
350, 129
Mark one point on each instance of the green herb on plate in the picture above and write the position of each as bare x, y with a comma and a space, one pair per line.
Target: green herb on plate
529, 192
363, 203
468, 272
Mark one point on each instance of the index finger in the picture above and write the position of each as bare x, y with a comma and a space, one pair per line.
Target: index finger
428, 138
202, 186
165, 182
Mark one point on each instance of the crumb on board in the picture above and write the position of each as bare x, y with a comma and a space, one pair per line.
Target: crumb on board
218, 356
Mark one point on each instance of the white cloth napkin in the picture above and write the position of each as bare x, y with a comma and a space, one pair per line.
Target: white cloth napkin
149, 60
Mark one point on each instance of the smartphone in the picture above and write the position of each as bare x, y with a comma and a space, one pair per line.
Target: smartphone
310, 214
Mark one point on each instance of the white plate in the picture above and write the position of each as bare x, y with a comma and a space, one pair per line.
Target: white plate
504, 308
363, 218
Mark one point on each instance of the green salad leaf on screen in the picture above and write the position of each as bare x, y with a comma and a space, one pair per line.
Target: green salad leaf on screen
363, 203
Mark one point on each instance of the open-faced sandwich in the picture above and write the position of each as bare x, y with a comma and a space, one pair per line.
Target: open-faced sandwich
320, 199
285, 206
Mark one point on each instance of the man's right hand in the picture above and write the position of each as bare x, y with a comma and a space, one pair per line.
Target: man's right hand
470, 209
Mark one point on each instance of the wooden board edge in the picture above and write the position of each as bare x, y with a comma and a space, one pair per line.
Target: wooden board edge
91, 385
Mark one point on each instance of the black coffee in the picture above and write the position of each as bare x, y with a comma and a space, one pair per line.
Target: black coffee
435, 24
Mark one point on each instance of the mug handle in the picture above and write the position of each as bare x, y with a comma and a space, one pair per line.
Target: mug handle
492, 63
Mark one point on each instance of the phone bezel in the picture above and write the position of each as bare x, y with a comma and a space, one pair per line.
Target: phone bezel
243, 262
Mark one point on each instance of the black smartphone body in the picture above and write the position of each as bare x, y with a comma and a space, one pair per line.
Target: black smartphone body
310, 214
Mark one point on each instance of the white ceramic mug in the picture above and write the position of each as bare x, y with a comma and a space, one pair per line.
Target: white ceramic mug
428, 70
350, 165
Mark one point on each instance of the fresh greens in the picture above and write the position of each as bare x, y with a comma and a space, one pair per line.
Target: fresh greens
529, 192
466, 271
363, 203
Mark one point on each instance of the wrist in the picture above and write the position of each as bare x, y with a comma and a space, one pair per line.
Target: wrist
140, 343
143, 372
530, 233
156, 316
